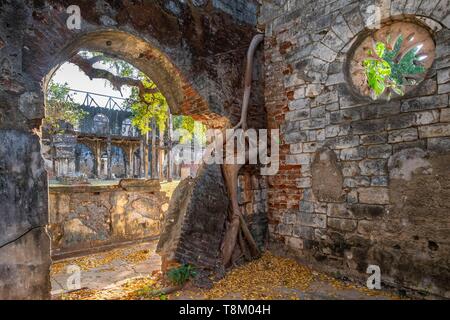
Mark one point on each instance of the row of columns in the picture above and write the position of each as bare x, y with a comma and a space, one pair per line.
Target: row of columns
154, 151
134, 167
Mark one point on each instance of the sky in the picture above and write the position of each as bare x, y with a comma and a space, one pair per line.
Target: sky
76, 79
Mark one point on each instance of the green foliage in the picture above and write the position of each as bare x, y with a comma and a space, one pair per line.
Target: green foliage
153, 106
120, 67
385, 69
406, 65
377, 73
182, 274
145, 108
60, 108
193, 130
146, 291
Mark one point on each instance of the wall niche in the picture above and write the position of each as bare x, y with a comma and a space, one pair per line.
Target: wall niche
391, 61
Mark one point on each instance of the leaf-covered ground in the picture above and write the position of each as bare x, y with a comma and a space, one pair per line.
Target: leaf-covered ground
132, 273
274, 277
270, 277
107, 269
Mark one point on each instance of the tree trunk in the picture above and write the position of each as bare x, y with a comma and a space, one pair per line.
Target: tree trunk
230, 172
154, 151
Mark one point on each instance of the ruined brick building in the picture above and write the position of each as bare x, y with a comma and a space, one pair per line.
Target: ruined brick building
361, 181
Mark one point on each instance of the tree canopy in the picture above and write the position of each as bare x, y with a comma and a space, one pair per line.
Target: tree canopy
147, 104
60, 109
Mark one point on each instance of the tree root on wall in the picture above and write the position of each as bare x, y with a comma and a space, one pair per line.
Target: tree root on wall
237, 234
238, 241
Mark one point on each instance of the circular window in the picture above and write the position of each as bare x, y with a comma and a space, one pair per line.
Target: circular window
392, 61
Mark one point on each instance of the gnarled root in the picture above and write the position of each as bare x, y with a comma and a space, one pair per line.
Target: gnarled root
236, 223
236, 229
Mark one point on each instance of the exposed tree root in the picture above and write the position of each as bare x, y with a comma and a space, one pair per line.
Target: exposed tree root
237, 234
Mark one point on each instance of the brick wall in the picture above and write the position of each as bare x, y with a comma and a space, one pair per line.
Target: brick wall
360, 182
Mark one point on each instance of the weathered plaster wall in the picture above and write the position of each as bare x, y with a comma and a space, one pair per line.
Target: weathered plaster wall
193, 50
24, 245
83, 218
360, 182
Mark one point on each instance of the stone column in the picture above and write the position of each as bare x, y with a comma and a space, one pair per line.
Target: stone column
146, 156
109, 159
130, 162
154, 153
77, 158
98, 159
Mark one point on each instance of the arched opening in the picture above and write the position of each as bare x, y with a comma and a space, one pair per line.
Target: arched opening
174, 56
118, 162
84, 160
127, 129
110, 201
146, 57
101, 124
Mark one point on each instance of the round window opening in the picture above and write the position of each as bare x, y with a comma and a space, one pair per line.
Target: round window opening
392, 61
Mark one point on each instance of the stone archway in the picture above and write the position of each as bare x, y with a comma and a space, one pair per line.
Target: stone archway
34, 40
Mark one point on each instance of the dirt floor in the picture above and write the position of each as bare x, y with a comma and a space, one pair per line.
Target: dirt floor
132, 273
107, 269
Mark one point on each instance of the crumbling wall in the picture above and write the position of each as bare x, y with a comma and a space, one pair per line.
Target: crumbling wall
361, 182
193, 50
24, 244
195, 221
83, 218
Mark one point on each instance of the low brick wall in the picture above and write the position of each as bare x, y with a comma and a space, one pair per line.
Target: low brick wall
84, 218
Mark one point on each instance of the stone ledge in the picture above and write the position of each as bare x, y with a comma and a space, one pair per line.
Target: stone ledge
139, 185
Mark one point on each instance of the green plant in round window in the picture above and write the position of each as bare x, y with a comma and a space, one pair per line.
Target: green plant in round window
389, 63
